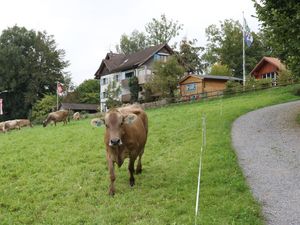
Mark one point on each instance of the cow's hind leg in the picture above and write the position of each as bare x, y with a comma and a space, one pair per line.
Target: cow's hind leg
139, 164
131, 171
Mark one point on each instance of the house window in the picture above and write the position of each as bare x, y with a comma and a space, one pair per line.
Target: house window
158, 57
117, 77
129, 75
191, 87
104, 80
104, 94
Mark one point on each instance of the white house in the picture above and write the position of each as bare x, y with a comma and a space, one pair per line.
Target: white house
120, 67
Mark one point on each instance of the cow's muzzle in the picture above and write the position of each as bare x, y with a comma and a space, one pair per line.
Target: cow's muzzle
115, 142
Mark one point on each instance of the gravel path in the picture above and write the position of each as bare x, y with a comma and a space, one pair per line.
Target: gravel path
267, 142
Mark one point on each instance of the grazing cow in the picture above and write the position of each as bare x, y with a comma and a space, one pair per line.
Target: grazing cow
125, 137
76, 116
57, 116
10, 125
24, 122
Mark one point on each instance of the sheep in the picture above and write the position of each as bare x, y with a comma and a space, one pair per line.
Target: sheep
57, 116
76, 116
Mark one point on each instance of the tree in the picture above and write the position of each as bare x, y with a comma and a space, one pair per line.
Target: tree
219, 69
224, 45
113, 92
188, 56
166, 77
30, 65
134, 88
132, 43
89, 91
280, 21
162, 31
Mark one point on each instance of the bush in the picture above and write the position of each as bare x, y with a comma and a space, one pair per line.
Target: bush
285, 77
232, 87
42, 108
263, 83
296, 90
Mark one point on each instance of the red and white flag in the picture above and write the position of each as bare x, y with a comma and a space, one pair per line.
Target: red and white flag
1, 111
60, 89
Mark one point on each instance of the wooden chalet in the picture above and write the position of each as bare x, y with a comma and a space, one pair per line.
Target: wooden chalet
268, 67
197, 86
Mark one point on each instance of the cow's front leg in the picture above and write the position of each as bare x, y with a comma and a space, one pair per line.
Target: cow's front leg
131, 171
110, 164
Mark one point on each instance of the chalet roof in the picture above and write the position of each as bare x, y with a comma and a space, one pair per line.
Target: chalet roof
213, 77
78, 106
120, 62
274, 61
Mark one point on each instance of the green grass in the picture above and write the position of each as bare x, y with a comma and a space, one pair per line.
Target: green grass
58, 175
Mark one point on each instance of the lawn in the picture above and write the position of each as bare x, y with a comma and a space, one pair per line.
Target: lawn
58, 175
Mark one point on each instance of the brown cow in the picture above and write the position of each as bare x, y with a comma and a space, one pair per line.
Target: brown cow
125, 137
58, 116
24, 122
10, 125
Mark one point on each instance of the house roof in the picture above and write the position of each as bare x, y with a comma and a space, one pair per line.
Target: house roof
274, 61
214, 77
78, 106
120, 62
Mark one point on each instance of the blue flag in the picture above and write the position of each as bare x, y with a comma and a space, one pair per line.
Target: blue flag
248, 37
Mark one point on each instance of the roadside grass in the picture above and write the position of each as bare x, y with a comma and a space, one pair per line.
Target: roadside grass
58, 175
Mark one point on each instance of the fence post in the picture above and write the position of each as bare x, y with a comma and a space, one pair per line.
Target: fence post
203, 146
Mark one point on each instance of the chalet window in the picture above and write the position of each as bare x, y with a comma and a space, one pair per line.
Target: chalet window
191, 87
117, 77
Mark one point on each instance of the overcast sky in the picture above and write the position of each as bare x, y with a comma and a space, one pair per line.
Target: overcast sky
88, 29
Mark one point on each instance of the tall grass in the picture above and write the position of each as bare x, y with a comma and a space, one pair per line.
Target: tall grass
58, 175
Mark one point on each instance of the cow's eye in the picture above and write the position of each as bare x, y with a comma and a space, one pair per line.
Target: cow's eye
106, 126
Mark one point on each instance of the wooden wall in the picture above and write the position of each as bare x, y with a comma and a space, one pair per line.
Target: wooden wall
265, 68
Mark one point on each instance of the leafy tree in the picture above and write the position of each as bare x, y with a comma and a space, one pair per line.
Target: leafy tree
225, 46
86, 92
113, 92
30, 65
188, 56
134, 88
166, 77
280, 21
162, 30
219, 69
132, 43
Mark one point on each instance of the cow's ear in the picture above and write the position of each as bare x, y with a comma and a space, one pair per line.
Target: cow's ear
130, 118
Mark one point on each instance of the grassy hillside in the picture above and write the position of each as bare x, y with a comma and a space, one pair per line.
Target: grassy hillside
58, 175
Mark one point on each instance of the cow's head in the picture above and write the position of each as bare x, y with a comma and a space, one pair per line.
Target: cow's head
44, 123
114, 121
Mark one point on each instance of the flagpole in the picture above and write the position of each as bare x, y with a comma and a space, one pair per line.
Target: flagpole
56, 95
244, 69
